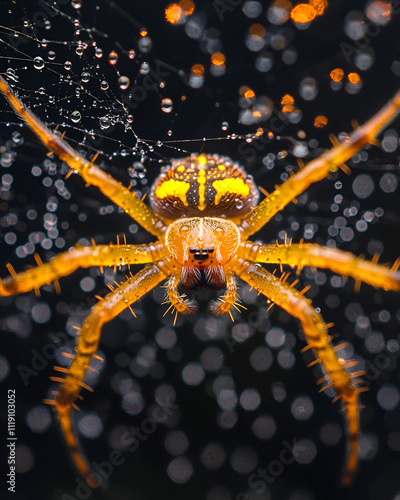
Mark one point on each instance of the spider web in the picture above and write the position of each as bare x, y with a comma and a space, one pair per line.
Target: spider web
204, 362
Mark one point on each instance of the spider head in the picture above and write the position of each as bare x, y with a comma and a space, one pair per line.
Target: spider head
202, 246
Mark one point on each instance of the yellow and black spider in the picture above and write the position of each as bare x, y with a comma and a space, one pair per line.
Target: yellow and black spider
203, 210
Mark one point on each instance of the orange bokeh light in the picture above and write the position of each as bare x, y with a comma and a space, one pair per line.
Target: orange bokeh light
187, 6
306, 12
173, 13
249, 94
257, 29
319, 6
320, 121
218, 59
353, 78
337, 74
198, 69
287, 99
303, 13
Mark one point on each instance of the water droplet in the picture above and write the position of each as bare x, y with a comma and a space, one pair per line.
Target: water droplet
282, 154
278, 13
300, 150
264, 62
51, 55
85, 76
17, 137
225, 125
129, 118
113, 57
42, 90
364, 60
104, 85
289, 56
76, 4
11, 74
169, 133
132, 54
252, 9
105, 122
196, 81
379, 13
38, 63
167, 105
79, 50
255, 43
98, 52
144, 68
308, 89
123, 82
355, 26
47, 25
68, 65
75, 116
239, 204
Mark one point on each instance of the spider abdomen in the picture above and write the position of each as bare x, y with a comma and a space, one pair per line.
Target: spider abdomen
203, 185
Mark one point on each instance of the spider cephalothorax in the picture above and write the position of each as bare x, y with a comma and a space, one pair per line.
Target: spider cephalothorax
203, 212
202, 246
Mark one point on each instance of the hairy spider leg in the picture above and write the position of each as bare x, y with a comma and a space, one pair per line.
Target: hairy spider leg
318, 169
105, 310
316, 333
313, 255
91, 173
68, 262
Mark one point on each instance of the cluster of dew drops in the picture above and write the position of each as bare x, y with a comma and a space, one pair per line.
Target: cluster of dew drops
144, 46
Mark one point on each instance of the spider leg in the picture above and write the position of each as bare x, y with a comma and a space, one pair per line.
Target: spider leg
105, 310
67, 262
313, 255
315, 331
229, 299
178, 302
91, 173
318, 169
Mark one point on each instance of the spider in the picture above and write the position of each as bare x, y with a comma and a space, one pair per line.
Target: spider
203, 210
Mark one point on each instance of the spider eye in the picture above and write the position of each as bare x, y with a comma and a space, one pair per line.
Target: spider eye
194, 250
201, 255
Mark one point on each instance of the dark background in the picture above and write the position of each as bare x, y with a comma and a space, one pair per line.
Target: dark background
49, 473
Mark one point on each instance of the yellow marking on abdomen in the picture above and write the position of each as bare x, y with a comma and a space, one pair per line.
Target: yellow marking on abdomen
172, 187
202, 159
232, 186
